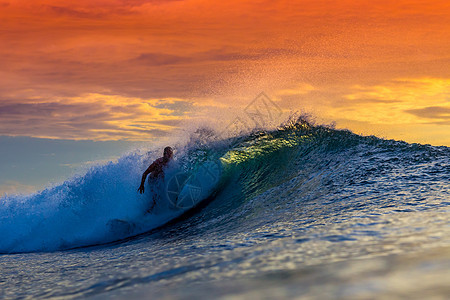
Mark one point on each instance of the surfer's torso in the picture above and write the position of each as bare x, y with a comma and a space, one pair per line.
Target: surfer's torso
157, 168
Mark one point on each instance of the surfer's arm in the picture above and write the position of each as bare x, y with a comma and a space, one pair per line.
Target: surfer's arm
141, 189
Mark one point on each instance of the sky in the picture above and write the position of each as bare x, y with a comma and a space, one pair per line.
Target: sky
113, 73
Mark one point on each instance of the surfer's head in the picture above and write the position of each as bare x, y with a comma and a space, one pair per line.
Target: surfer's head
168, 153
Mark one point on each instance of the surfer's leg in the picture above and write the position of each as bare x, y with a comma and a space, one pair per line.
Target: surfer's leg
155, 189
153, 204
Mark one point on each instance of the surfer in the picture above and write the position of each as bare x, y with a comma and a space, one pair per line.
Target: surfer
156, 170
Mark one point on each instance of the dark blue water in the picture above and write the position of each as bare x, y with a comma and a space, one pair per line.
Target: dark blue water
299, 211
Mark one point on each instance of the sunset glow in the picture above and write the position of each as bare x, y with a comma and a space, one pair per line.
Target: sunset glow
133, 70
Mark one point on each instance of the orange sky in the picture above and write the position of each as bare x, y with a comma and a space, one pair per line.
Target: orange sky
138, 69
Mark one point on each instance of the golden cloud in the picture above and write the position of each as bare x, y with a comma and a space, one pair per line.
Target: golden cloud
92, 116
398, 102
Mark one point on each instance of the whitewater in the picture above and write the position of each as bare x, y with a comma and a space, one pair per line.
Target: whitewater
301, 210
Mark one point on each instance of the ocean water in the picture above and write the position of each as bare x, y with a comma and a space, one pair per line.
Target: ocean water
302, 211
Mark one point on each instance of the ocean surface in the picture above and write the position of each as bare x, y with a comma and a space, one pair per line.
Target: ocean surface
302, 211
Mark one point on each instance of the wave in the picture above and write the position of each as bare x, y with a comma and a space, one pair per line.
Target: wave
103, 205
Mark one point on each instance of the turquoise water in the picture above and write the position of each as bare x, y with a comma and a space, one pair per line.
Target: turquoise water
302, 211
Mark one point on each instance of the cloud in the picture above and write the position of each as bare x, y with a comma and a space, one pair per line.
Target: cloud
85, 9
92, 116
440, 114
410, 109
75, 13
159, 59
400, 101
15, 187
175, 107
212, 55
